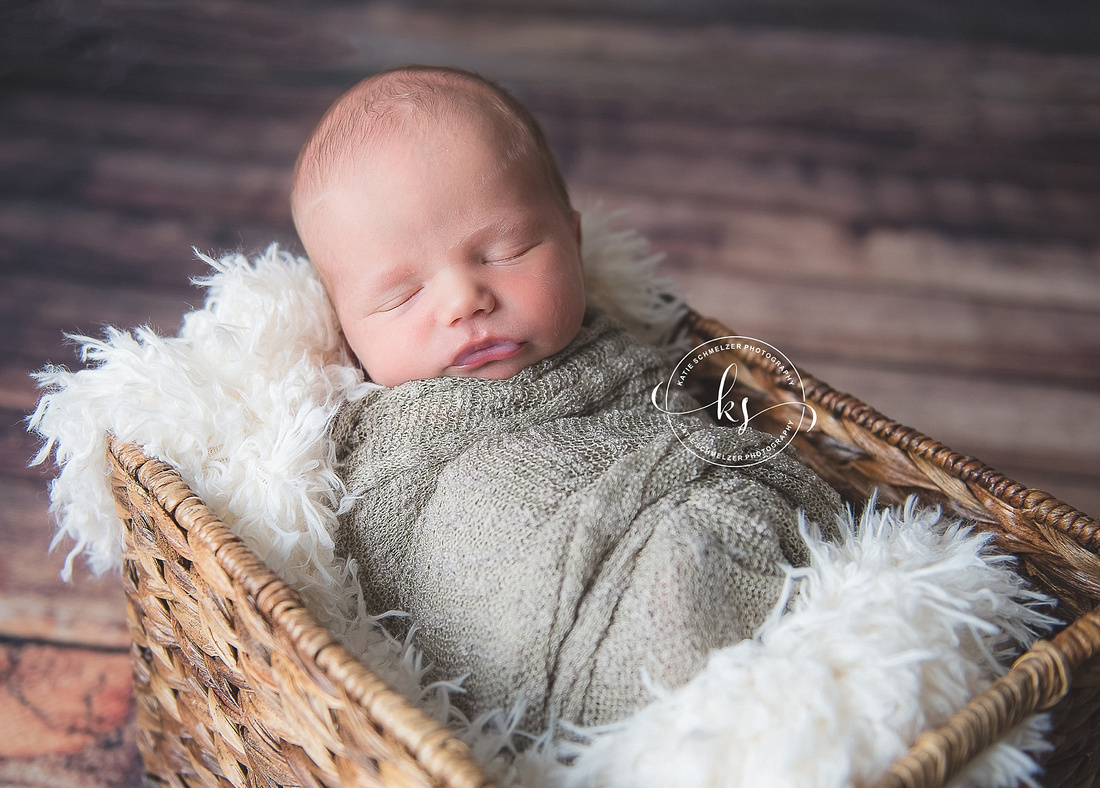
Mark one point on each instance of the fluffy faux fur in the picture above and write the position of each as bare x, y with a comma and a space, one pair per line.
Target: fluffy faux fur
887, 632
891, 631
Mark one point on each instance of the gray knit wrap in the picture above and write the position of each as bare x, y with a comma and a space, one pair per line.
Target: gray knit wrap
551, 537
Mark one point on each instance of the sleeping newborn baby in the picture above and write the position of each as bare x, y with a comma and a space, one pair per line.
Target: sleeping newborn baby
520, 497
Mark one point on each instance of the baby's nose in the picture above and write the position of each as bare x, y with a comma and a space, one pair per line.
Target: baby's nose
464, 295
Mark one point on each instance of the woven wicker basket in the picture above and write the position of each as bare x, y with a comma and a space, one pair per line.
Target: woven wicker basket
237, 684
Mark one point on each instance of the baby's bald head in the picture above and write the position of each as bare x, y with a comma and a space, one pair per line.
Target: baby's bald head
411, 101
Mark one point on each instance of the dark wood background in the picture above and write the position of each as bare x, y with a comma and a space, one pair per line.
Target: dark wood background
903, 197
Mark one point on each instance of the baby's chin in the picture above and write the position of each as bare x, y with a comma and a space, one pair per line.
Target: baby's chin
495, 370
492, 370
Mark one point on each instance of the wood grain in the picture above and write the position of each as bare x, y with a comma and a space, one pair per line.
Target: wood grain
66, 717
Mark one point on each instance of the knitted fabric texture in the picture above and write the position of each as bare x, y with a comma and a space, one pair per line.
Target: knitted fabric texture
553, 540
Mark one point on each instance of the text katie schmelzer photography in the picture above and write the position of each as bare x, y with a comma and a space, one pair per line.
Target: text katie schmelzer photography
728, 408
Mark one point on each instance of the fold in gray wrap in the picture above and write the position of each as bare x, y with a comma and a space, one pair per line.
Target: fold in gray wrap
550, 536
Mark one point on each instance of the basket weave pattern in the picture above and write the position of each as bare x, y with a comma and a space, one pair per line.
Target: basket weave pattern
237, 684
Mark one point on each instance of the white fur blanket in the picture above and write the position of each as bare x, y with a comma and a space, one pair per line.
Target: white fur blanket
889, 631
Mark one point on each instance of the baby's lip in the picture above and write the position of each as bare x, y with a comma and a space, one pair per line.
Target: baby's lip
483, 351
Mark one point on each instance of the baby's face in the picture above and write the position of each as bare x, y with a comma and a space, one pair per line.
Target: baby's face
440, 264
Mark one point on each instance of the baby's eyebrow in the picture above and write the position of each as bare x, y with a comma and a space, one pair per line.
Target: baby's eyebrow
500, 225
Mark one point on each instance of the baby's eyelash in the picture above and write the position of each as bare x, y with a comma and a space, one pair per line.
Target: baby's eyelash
512, 257
393, 303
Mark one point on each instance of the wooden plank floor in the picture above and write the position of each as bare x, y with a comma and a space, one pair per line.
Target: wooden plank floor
913, 218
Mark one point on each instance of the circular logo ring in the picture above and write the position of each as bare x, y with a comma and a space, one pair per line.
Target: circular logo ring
734, 412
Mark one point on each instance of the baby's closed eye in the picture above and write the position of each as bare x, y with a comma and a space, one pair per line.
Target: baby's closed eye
510, 255
399, 299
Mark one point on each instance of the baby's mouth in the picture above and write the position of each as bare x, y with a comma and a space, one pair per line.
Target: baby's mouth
474, 356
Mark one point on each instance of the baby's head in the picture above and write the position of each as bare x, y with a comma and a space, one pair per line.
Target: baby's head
431, 206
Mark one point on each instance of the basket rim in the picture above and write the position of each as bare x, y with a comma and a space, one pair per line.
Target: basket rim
1044, 508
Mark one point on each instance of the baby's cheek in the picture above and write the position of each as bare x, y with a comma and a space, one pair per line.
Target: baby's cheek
357, 347
401, 351
532, 289
350, 350
369, 351
567, 311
